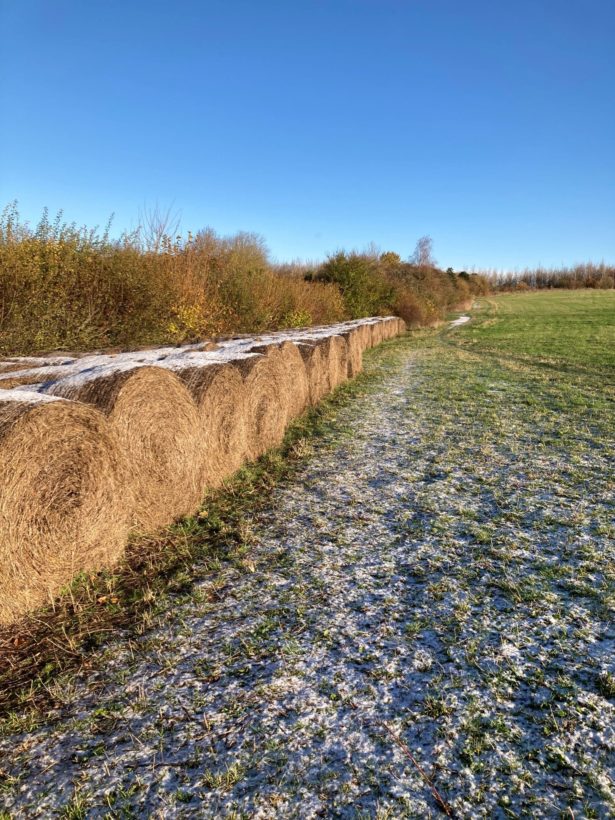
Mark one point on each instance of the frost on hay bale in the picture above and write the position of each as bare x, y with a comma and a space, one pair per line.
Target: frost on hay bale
25, 363
8, 383
354, 352
157, 426
10, 367
62, 505
8, 380
220, 394
316, 368
266, 399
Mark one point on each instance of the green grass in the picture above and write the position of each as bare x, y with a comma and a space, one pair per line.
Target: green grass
561, 330
507, 532
531, 361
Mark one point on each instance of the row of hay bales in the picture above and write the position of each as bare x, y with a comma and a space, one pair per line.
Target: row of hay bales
94, 447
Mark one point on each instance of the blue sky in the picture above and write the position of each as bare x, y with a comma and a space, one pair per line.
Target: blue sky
321, 124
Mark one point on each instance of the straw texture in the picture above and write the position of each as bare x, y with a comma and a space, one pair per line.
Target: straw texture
266, 392
317, 370
157, 426
354, 352
109, 442
62, 509
335, 356
220, 395
296, 379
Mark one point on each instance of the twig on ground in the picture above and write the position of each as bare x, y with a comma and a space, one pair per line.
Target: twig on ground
441, 802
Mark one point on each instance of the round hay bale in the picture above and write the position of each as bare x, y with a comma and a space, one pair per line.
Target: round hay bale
273, 352
63, 509
401, 326
31, 374
220, 394
376, 331
335, 353
354, 352
157, 426
316, 368
20, 379
29, 362
297, 379
266, 401
290, 361
365, 335
10, 367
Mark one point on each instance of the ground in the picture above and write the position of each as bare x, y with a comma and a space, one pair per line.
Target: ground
423, 623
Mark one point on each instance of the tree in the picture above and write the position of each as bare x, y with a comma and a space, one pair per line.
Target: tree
364, 291
390, 258
423, 253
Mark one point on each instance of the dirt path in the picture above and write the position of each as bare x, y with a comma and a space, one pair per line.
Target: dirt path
405, 602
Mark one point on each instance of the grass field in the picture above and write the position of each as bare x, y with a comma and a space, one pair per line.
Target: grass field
433, 584
566, 330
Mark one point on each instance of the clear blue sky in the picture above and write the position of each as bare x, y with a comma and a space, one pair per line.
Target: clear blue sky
321, 124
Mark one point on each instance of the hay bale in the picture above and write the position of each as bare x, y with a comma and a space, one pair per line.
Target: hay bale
292, 370
376, 331
220, 395
354, 349
365, 335
8, 380
283, 377
10, 367
266, 401
157, 426
32, 375
336, 356
297, 379
316, 368
62, 505
28, 362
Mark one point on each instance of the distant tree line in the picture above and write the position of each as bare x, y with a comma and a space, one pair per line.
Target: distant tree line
588, 275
